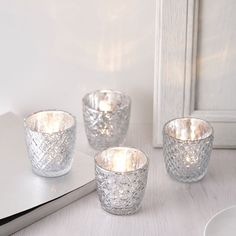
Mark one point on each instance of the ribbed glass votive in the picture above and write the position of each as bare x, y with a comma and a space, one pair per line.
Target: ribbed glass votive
50, 139
187, 146
106, 118
121, 178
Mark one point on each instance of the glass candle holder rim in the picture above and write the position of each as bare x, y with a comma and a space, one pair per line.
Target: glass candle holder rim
121, 172
211, 130
127, 97
50, 110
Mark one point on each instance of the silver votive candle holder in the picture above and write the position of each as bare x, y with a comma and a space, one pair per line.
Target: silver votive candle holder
50, 139
187, 146
121, 178
106, 118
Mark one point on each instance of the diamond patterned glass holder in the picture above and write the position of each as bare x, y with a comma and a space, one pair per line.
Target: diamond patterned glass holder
50, 153
107, 128
187, 160
121, 193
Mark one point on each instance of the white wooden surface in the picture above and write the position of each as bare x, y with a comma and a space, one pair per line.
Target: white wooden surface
169, 207
195, 40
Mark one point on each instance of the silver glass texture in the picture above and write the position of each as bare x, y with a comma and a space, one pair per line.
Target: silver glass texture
50, 139
187, 146
121, 190
106, 117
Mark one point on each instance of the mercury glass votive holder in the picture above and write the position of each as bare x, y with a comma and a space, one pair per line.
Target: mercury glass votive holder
50, 139
121, 178
187, 146
106, 117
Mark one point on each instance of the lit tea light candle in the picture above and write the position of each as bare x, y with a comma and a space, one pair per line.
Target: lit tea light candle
50, 138
106, 117
47, 123
187, 145
124, 160
105, 105
121, 177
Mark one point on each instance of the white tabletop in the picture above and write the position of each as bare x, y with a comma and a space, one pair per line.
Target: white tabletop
169, 207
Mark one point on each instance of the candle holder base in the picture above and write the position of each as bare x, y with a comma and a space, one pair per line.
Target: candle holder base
103, 144
187, 179
51, 174
122, 211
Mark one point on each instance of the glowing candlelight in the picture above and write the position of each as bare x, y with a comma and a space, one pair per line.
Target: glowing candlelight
187, 145
50, 138
121, 176
105, 105
123, 162
106, 118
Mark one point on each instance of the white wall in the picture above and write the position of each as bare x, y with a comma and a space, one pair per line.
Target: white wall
52, 52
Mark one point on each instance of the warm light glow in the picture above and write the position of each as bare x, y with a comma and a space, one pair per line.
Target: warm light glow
121, 159
188, 159
191, 160
193, 132
52, 126
49, 125
122, 162
105, 105
183, 134
50, 121
192, 136
188, 129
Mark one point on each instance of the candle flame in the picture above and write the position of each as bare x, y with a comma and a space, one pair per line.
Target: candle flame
122, 162
105, 106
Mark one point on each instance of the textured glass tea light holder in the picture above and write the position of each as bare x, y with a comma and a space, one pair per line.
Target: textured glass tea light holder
187, 146
50, 139
106, 118
121, 178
